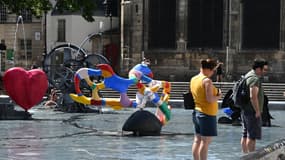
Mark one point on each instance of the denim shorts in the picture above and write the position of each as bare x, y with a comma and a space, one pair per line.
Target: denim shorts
251, 126
204, 124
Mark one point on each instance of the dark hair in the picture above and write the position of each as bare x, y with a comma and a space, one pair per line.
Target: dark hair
34, 66
259, 63
146, 60
208, 64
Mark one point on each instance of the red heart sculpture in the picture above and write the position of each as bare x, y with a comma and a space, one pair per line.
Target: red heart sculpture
26, 88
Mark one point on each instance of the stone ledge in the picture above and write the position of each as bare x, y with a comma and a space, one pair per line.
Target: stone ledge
8, 112
274, 151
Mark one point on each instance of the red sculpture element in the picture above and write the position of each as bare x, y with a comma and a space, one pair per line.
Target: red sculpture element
26, 88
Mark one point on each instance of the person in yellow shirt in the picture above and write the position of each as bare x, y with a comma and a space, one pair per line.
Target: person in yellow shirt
205, 96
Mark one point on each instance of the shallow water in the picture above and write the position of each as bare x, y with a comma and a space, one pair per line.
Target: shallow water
56, 135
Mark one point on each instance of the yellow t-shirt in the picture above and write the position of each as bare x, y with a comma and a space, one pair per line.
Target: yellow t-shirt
199, 95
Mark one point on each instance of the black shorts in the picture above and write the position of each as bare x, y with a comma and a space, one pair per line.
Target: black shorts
251, 126
204, 125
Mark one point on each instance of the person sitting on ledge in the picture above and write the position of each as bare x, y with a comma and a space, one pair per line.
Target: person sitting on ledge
52, 99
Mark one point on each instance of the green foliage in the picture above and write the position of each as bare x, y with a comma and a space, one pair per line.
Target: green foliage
85, 6
39, 7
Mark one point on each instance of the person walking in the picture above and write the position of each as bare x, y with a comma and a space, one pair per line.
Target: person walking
205, 96
251, 113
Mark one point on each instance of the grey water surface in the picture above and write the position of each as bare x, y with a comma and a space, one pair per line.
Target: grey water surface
90, 136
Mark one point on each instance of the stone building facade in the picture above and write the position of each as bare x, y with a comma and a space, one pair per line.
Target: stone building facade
23, 38
176, 34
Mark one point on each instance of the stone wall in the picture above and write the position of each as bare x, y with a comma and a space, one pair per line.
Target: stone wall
182, 66
182, 62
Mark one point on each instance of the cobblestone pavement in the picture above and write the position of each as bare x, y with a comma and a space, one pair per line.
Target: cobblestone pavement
73, 136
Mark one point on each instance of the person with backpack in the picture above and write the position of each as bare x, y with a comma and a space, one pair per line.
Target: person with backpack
205, 96
251, 111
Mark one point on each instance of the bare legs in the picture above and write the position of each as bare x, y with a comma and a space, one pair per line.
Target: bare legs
200, 147
219, 78
247, 145
196, 146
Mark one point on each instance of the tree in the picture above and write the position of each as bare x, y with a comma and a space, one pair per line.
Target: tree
39, 7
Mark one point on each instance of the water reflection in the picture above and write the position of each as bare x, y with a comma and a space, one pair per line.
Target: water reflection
22, 141
55, 135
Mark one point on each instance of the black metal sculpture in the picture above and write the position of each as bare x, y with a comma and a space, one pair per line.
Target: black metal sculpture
60, 65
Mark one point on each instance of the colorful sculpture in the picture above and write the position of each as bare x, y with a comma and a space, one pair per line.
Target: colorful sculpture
26, 88
138, 76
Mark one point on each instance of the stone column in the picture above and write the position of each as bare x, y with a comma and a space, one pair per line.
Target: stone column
226, 24
239, 47
181, 16
146, 24
235, 24
282, 25
137, 23
181, 28
234, 34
